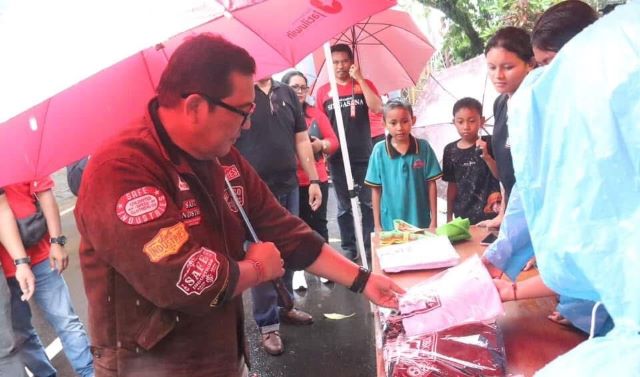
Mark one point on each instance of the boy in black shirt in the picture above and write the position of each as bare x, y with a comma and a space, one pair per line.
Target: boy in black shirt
469, 168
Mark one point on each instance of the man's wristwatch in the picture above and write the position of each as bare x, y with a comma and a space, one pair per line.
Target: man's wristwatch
62, 240
316, 181
19, 261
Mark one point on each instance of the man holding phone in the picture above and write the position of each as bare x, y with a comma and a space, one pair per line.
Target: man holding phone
357, 96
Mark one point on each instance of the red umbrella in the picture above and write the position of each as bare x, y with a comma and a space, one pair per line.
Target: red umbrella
37, 140
389, 48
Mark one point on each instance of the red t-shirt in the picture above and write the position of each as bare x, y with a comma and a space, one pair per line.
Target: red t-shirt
314, 115
22, 199
377, 125
356, 126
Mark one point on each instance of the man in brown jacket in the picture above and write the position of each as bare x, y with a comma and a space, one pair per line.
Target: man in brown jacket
162, 240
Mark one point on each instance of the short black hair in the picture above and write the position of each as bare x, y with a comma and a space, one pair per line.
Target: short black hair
396, 103
512, 39
558, 24
341, 47
467, 103
203, 64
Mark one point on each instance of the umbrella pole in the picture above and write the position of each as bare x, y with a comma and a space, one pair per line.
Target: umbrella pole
355, 203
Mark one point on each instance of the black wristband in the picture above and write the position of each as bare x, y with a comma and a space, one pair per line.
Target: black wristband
316, 181
19, 261
360, 281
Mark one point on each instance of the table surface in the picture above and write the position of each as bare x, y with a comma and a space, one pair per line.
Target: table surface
531, 340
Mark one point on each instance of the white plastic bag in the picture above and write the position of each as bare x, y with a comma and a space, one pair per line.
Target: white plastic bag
462, 294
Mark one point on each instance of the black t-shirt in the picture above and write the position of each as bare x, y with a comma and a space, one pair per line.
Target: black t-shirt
269, 144
501, 146
357, 129
473, 178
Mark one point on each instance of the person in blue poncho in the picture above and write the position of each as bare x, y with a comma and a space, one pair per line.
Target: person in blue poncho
553, 30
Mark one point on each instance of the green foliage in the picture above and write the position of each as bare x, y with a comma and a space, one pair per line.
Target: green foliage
473, 22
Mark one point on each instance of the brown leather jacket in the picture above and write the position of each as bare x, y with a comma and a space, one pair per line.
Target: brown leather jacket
160, 243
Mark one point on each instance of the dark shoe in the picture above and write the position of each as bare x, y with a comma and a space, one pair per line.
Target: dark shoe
272, 343
351, 255
295, 317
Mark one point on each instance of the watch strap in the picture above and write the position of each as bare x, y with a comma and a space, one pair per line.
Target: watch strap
19, 261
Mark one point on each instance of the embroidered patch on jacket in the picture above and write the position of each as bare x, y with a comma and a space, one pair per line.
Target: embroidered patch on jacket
190, 213
182, 185
239, 191
167, 241
141, 205
199, 272
418, 164
231, 172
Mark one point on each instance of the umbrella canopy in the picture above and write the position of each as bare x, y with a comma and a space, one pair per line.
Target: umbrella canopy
442, 90
389, 48
68, 121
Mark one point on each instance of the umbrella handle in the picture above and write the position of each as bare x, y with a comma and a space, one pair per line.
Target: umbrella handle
278, 284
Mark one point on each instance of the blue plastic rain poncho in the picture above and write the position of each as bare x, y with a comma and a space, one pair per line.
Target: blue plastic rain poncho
575, 137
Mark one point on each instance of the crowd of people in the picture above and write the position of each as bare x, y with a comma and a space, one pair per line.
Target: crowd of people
218, 156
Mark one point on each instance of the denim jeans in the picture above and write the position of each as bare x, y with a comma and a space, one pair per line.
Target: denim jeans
52, 297
10, 363
265, 297
345, 215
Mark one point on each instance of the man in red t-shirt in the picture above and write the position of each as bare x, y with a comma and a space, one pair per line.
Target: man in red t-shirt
357, 97
51, 292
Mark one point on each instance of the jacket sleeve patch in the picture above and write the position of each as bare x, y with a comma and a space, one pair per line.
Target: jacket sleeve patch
199, 272
167, 241
141, 205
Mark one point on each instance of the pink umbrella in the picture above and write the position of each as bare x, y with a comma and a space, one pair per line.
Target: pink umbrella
389, 48
38, 140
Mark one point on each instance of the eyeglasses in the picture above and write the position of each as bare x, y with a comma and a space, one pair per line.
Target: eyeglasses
233, 109
300, 88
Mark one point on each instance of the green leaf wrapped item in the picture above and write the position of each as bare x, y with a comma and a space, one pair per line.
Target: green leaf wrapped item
456, 230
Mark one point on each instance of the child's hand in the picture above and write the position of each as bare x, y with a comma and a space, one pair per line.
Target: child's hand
482, 146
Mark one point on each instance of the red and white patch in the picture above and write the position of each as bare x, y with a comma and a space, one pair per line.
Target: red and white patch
141, 205
239, 191
190, 213
418, 164
231, 172
199, 272
182, 185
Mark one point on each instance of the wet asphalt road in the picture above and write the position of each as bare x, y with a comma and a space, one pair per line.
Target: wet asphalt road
337, 348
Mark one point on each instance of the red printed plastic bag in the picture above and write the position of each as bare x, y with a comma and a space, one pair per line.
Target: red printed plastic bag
473, 349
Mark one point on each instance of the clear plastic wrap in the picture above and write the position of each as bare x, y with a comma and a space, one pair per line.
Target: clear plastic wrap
473, 349
461, 294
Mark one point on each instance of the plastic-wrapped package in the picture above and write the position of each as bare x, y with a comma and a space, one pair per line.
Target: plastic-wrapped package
461, 294
423, 254
473, 349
